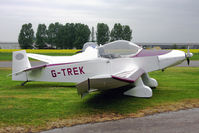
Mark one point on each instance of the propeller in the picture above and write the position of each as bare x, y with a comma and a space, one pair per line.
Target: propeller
188, 55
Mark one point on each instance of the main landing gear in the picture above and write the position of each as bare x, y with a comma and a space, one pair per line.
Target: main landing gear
142, 86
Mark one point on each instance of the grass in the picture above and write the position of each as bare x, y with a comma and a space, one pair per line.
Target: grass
40, 105
195, 56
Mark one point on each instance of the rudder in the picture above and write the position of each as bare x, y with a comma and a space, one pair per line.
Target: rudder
20, 62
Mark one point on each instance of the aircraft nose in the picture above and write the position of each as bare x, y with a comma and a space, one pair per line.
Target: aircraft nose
189, 55
173, 54
172, 58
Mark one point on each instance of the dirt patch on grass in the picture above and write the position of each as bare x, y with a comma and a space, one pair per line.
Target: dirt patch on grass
185, 104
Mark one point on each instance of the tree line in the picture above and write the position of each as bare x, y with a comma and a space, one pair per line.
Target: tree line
70, 35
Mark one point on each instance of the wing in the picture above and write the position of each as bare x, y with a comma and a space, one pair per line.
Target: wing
104, 82
129, 75
91, 84
99, 82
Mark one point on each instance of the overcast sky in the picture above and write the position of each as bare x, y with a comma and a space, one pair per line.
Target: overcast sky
151, 20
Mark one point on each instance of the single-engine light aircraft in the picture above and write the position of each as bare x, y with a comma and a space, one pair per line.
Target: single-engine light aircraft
108, 66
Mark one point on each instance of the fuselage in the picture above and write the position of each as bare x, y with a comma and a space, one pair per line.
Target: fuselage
80, 70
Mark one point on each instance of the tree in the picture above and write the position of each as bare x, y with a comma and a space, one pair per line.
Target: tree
126, 33
69, 35
102, 33
56, 35
82, 34
41, 36
92, 35
72, 36
51, 35
121, 32
174, 46
116, 32
26, 36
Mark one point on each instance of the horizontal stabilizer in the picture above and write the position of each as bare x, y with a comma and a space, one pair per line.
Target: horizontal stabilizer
36, 67
28, 69
44, 58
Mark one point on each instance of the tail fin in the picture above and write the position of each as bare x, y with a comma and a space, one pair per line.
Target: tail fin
20, 62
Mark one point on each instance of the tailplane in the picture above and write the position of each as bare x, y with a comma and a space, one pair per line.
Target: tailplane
20, 62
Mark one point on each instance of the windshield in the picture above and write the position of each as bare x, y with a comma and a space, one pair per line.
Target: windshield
89, 44
118, 49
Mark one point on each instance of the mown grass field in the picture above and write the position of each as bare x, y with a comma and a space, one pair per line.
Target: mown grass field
6, 54
40, 105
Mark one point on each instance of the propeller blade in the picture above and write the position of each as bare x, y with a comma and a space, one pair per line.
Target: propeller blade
188, 55
188, 61
188, 52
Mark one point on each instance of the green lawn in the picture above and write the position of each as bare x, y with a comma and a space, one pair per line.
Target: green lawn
37, 105
195, 56
8, 56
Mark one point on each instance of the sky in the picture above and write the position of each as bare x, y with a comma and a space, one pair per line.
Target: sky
165, 21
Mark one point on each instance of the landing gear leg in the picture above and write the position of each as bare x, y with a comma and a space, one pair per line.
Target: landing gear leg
22, 84
148, 81
140, 90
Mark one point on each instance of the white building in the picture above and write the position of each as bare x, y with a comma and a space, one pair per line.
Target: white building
9, 45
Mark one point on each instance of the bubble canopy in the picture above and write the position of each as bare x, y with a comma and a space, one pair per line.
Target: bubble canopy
119, 49
89, 44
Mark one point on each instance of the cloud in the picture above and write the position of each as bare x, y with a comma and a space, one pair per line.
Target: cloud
151, 20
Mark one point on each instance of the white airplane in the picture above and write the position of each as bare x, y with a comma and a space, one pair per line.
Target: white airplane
112, 65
